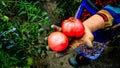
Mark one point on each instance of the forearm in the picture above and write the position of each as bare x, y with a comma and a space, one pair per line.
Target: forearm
101, 19
94, 23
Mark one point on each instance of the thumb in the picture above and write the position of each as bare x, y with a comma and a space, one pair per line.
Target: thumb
89, 43
55, 27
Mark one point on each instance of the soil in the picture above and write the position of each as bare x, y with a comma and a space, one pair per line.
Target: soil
52, 61
108, 59
50, 7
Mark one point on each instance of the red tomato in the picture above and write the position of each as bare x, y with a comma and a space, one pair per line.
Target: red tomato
57, 41
73, 27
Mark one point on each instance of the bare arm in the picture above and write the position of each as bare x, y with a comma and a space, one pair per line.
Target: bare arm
94, 23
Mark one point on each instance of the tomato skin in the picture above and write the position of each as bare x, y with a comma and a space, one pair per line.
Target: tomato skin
57, 41
73, 27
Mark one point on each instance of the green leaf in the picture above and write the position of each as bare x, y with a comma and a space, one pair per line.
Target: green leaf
33, 18
41, 29
20, 9
38, 11
21, 13
29, 60
31, 15
13, 58
39, 50
3, 3
44, 13
5, 18
36, 3
46, 18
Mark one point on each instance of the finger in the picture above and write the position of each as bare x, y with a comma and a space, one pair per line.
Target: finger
89, 43
74, 44
57, 28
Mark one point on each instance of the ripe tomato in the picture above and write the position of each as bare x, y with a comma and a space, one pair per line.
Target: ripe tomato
57, 41
73, 27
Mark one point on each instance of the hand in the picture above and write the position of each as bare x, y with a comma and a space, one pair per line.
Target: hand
87, 38
75, 42
92, 24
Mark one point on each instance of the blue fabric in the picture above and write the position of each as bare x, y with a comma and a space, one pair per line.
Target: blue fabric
104, 35
100, 35
80, 11
85, 5
115, 12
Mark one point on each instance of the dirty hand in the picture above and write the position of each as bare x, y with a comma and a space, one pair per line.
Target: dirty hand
75, 42
86, 38
92, 24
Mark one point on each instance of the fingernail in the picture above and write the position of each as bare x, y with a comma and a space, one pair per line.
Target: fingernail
57, 28
90, 46
52, 26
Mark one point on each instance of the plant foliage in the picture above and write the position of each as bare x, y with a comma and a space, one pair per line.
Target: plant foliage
24, 25
67, 8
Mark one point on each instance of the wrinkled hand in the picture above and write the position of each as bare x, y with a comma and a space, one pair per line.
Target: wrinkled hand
87, 38
75, 42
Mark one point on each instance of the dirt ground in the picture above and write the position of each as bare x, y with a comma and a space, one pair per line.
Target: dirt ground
110, 58
51, 61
